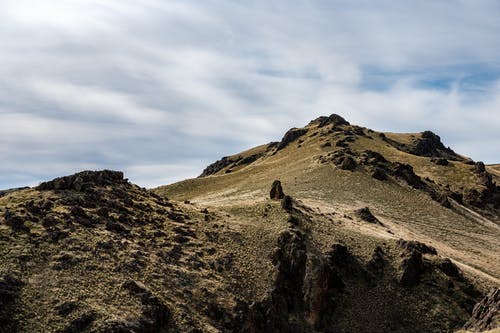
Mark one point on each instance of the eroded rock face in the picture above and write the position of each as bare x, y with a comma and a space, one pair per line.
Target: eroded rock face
290, 136
486, 192
302, 295
272, 314
83, 180
486, 314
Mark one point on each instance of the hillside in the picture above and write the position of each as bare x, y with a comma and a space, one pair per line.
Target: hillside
336, 228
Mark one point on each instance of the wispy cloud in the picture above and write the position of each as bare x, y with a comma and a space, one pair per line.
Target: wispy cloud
161, 88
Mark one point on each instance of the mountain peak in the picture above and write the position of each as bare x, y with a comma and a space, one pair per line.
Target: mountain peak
333, 119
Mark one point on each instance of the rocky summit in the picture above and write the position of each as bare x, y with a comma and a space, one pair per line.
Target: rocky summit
335, 228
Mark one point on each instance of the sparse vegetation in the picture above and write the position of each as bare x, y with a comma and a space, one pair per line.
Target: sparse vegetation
98, 254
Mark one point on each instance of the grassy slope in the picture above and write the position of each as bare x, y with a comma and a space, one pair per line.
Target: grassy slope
408, 213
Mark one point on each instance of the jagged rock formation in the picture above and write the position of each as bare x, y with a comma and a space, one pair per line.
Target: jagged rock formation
486, 314
427, 144
333, 119
228, 163
290, 136
83, 180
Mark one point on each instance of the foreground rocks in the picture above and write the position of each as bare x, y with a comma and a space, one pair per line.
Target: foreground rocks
276, 192
486, 314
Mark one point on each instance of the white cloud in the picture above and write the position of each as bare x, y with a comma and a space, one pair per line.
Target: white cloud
159, 89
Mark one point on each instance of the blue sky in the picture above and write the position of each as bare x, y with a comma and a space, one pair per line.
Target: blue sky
159, 89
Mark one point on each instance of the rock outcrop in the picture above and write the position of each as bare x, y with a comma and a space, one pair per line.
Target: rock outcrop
333, 119
290, 136
486, 314
233, 161
83, 180
276, 192
366, 215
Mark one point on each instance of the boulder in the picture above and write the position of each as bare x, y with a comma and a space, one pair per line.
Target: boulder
412, 268
366, 215
287, 203
479, 167
276, 192
348, 163
379, 174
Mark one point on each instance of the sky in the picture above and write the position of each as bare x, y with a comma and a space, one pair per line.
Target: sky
160, 89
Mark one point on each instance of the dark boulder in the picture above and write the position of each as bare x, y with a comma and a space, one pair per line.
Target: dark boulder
348, 163
449, 268
287, 203
479, 167
412, 268
379, 174
276, 192
366, 215
412, 265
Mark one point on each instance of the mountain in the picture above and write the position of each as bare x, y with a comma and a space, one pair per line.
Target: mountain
335, 228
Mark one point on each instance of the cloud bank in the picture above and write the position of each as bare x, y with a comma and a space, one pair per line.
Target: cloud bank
160, 89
